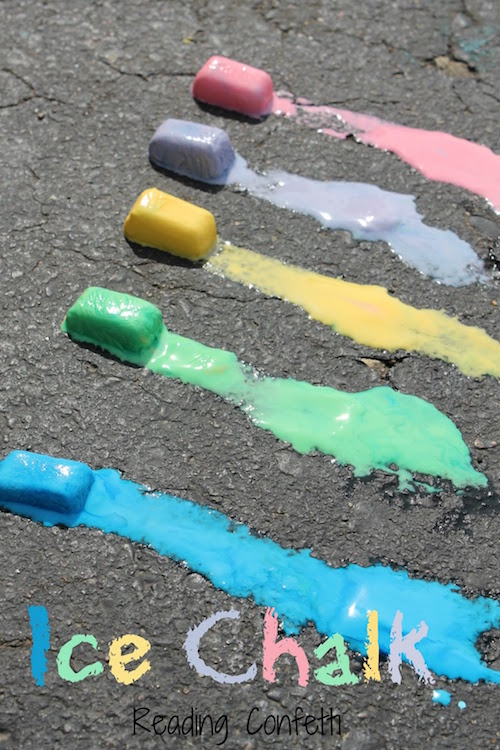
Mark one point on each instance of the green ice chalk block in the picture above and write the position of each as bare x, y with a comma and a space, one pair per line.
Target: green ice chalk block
120, 323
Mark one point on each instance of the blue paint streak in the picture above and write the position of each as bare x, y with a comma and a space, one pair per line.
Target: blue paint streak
462, 705
40, 630
301, 588
365, 210
441, 696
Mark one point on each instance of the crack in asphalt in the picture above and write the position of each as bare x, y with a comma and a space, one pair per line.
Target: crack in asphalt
34, 93
146, 76
15, 643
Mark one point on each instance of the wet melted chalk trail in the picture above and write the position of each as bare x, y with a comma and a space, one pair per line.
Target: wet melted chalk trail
369, 213
301, 588
375, 429
439, 156
365, 210
367, 314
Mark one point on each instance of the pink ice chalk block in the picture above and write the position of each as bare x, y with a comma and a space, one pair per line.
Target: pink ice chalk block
233, 85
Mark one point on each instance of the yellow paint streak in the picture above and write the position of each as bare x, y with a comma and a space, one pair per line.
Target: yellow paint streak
367, 314
371, 663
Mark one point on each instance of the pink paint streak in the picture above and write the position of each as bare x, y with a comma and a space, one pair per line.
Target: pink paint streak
438, 156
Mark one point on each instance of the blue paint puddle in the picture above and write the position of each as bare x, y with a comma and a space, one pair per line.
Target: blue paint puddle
441, 696
301, 588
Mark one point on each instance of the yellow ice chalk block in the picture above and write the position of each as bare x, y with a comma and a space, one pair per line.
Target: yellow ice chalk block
168, 223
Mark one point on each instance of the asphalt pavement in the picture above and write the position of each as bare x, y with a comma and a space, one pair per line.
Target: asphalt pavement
83, 86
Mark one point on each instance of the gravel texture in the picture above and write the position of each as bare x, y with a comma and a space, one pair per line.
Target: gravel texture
83, 86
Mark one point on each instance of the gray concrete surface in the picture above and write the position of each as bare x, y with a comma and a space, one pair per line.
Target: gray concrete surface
83, 87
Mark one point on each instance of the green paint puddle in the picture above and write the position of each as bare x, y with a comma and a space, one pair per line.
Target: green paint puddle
375, 429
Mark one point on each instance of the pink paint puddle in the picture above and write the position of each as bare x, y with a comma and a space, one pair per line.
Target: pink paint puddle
438, 156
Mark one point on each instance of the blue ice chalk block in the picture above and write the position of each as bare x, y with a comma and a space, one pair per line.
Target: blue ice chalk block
191, 149
45, 482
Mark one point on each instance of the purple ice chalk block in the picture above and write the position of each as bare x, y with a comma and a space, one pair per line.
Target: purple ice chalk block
45, 482
191, 149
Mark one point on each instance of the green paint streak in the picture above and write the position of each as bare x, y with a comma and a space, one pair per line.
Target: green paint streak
373, 429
